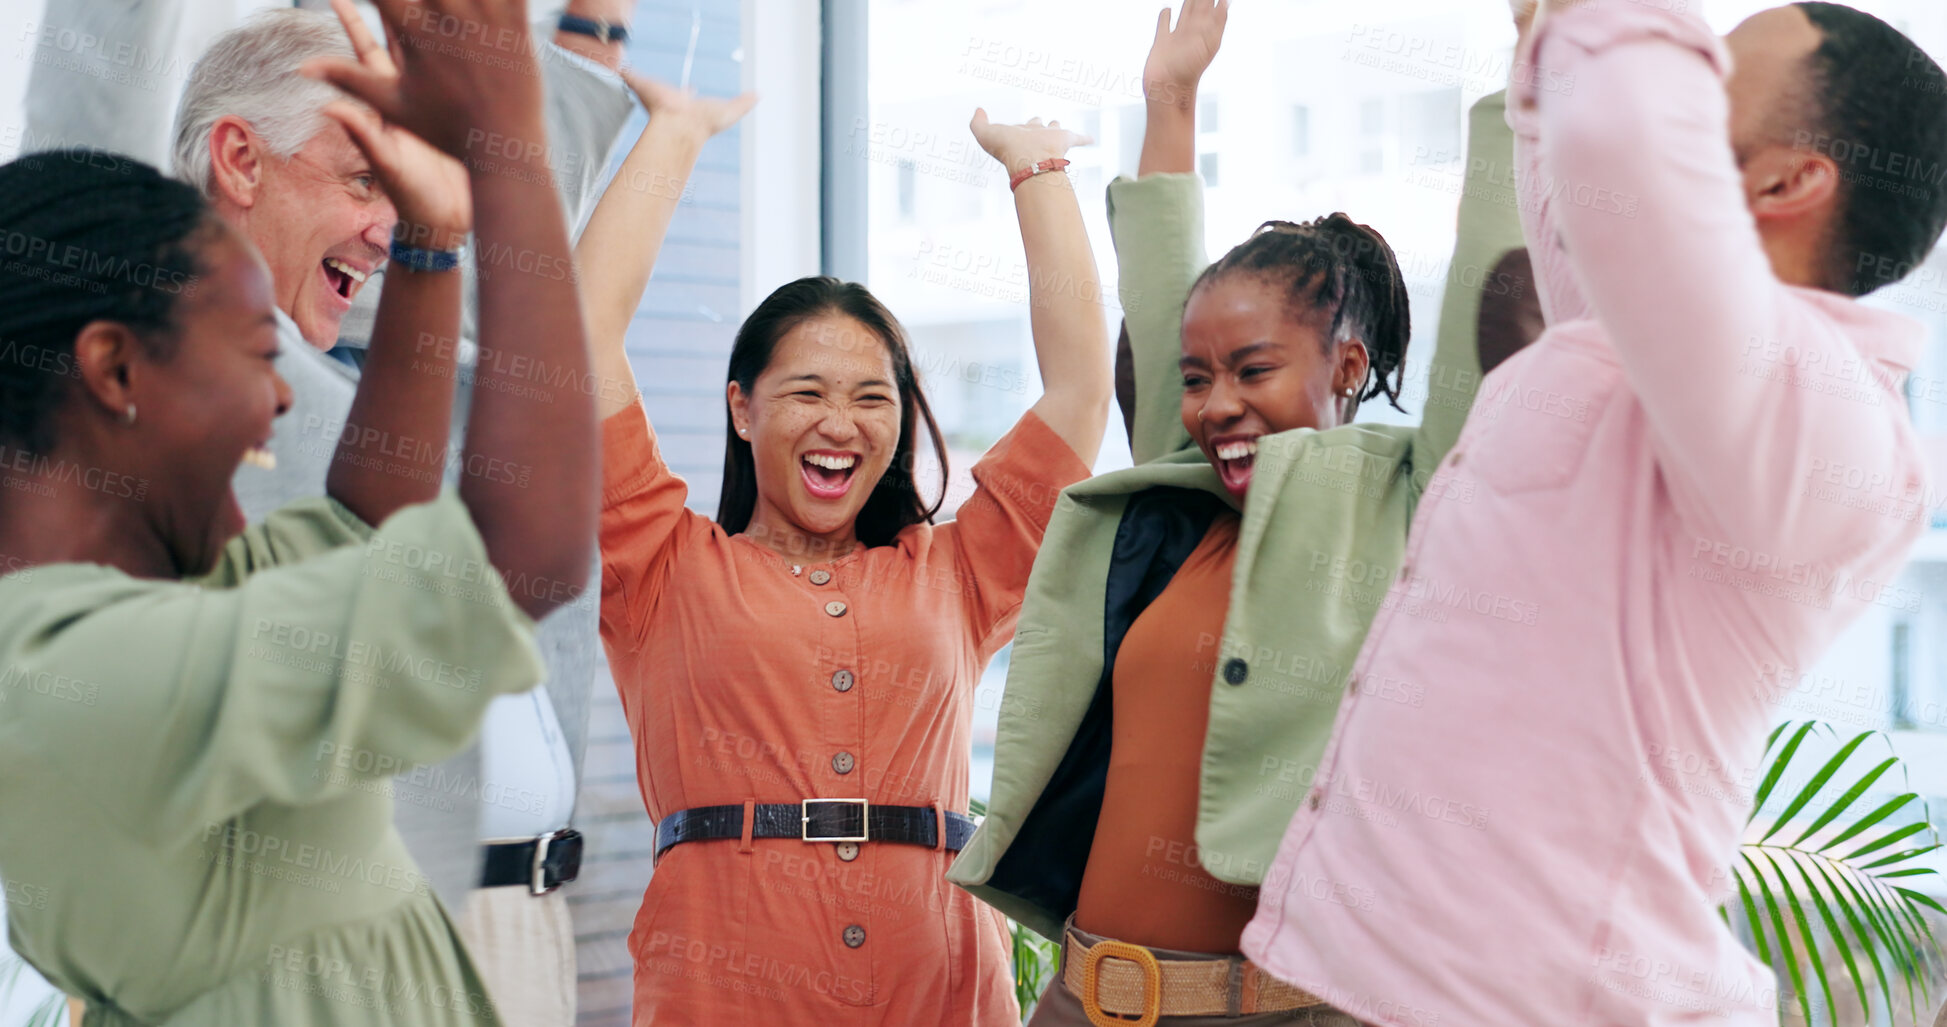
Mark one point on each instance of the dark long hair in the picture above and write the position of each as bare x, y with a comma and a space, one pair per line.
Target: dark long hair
895, 503
1337, 266
84, 236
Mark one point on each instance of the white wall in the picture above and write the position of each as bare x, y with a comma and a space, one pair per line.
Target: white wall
781, 159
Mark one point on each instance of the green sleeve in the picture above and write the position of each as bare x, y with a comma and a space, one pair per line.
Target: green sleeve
295, 686
1489, 226
1157, 224
298, 531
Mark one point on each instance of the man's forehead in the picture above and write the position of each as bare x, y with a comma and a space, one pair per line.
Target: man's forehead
332, 147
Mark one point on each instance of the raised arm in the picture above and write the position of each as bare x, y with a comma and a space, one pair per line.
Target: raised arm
618, 249
1156, 223
1669, 256
393, 450
1486, 229
531, 453
1561, 299
1071, 334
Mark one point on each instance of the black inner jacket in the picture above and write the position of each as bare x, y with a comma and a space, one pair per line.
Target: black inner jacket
1160, 528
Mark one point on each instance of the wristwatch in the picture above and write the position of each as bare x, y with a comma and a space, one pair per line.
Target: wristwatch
601, 29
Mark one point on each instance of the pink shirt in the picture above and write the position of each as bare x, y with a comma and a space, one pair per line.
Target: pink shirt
1669, 505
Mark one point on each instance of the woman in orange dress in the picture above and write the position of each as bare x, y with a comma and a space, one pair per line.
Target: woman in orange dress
799, 673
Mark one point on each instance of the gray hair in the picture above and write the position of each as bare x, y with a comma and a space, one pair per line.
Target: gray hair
251, 72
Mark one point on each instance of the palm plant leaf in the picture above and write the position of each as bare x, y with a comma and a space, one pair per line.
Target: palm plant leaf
49, 1012
1838, 886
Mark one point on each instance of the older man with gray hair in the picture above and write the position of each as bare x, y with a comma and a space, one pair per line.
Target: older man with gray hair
280, 160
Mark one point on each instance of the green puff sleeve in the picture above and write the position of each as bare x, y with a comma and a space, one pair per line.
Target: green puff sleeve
325, 638
1156, 222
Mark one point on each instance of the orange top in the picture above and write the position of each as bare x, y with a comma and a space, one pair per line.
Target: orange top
748, 677
1143, 883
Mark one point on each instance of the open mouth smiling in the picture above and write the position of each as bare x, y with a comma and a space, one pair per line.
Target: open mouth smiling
828, 473
1235, 455
343, 278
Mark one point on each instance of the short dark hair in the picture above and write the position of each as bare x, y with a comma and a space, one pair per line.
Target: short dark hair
85, 236
895, 503
1880, 94
1342, 268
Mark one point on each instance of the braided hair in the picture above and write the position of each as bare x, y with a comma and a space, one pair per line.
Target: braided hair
84, 236
1334, 264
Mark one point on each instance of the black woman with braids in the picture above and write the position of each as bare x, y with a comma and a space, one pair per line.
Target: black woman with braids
1190, 622
197, 717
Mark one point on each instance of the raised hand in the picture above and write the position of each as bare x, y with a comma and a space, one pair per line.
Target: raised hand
462, 65
1021, 146
428, 188
701, 116
1179, 57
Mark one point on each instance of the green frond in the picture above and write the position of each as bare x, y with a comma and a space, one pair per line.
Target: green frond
1839, 885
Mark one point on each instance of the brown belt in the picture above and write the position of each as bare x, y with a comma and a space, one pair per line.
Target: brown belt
1116, 981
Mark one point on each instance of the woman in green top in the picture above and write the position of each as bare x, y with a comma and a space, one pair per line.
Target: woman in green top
1248, 374
197, 725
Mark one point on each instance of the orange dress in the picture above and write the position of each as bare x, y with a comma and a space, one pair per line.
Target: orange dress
748, 676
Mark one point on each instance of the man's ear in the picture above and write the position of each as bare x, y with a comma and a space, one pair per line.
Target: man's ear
1788, 183
104, 354
237, 158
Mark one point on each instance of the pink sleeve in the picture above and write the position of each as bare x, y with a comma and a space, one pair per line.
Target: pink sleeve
1652, 210
1561, 299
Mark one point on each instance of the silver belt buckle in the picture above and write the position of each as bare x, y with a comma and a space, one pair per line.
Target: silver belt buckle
538, 883
865, 822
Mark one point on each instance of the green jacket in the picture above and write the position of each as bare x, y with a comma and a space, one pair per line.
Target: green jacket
1324, 528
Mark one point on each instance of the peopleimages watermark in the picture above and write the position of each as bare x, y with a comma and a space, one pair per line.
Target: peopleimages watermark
1446, 62
37, 474
369, 986
306, 863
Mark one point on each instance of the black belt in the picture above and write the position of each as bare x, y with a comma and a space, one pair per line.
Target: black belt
817, 820
542, 864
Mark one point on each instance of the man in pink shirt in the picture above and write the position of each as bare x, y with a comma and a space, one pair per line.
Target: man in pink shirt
1698, 476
